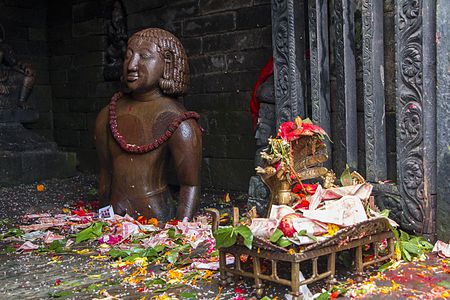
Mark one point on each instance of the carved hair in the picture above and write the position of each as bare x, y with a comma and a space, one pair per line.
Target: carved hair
175, 80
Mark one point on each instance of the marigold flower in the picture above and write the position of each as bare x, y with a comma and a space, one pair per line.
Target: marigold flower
40, 187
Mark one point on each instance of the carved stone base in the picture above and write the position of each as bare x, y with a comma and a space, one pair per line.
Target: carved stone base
27, 157
259, 195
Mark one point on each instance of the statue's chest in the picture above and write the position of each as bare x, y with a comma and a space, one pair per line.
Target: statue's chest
142, 125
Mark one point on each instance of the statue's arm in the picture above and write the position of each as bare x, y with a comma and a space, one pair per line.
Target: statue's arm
101, 142
186, 149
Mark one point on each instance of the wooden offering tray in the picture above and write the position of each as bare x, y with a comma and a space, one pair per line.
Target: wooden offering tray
270, 262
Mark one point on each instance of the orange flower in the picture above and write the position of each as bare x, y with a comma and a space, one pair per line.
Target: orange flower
40, 188
142, 220
153, 221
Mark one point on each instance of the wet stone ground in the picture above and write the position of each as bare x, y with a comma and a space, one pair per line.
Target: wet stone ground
78, 276
37, 276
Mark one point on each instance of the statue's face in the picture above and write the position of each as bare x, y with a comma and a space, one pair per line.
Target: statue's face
143, 66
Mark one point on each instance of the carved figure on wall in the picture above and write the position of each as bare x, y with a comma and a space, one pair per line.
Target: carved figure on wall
117, 42
16, 78
138, 132
264, 121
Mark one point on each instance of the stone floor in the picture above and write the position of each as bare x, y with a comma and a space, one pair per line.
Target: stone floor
32, 276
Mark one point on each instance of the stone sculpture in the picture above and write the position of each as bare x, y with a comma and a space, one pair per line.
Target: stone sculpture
138, 131
117, 42
24, 155
259, 193
16, 78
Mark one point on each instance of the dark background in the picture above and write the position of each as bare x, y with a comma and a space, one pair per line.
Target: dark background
227, 43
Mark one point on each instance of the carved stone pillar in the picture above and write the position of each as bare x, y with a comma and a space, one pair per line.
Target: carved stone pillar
288, 56
416, 113
443, 119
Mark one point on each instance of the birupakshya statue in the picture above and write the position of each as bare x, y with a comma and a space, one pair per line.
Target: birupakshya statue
140, 131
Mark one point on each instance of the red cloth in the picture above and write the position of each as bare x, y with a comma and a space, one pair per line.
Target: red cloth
254, 104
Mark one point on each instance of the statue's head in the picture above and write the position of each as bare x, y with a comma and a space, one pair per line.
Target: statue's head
155, 58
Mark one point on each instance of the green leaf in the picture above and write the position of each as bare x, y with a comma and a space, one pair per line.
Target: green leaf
404, 236
16, 232
156, 281
150, 252
247, 234
385, 213
60, 294
186, 295
225, 237
93, 287
411, 248
302, 232
8, 249
405, 254
92, 232
159, 248
171, 232
266, 298
426, 245
284, 242
385, 266
173, 256
324, 296
57, 246
445, 284
394, 231
346, 177
276, 236
115, 253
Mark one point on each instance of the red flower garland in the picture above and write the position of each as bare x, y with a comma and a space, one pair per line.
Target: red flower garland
120, 139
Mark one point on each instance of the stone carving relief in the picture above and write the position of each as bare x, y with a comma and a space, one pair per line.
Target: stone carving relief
117, 42
410, 116
16, 78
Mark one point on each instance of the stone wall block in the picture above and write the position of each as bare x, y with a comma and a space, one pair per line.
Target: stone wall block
230, 123
253, 17
228, 101
72, 90
231, 174
70, 121
89, 59
214, 145
59, 77
237, 40
67, 138
192, 46
248, 60
197, 84
60, 32
37, 34
58, 62
213, 6
223, 22
41, 97
87, 104
136, 6
85, 11
84, 75
90, 27
241, 81
207, 64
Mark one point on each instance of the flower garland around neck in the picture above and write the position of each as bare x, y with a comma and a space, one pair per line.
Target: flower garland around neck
120, 139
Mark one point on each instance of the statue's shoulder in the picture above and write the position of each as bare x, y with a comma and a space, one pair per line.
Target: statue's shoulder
170, 105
